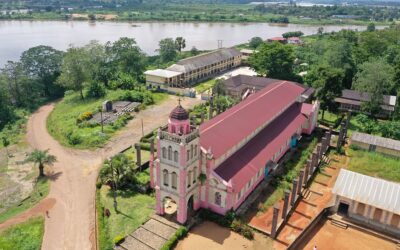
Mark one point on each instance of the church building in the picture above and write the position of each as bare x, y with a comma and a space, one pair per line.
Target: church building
217, 165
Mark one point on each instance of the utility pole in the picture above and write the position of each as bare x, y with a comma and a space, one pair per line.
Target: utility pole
142, 128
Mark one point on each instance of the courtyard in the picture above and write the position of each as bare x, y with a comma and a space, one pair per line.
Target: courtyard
330, 237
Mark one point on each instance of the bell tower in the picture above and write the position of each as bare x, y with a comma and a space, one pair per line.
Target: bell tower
175, 170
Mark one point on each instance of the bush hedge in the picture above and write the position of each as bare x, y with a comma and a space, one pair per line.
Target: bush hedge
179, 234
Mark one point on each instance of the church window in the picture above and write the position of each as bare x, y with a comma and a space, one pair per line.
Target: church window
195, 150
218, 198
191, 151
164, 152
187, 155
165, 177
194, 174
176, 156
189, 179
174, 180
170, 153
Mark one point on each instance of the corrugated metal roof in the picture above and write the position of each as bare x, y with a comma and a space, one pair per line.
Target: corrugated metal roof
366, 97
196, 62
162, 73
376, 140
368, 190
229, 128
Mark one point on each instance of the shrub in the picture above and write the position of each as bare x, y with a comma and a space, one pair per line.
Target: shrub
73, 138
84, 117
119, 239
179, 234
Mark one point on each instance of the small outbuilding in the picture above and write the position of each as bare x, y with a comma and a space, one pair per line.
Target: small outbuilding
375, 143
372, 202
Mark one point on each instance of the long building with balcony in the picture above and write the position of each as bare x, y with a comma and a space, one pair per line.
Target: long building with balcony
192, 70
217, 165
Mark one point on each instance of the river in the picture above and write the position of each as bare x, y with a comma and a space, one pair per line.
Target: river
18, 36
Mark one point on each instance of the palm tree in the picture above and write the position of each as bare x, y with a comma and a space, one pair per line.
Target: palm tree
41, 158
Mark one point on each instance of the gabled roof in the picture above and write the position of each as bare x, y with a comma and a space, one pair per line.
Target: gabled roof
365, 97
228, 129
376, 140
368, 190
196, 62
238, 169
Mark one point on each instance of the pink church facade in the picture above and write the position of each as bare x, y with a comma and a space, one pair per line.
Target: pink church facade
217, 165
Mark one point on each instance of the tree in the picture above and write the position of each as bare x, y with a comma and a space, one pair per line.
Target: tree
194, 51
339, 55
371, 27
41, 158
255, 42
126, 56
20, 89
292, 34
167, 49
219, 88
118, 171
74, 70
6, 109
43, 64
328, 82
180, 43
274, 60
376, 78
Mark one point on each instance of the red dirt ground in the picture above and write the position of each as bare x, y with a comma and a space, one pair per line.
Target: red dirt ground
329, 237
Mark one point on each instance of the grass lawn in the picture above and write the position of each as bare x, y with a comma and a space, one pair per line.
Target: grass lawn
24, 236
292, 169
39, 192
15, 131
134, 209
62, 121
374, 164
201, 87
131, 153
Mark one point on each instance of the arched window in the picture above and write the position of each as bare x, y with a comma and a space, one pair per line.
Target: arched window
164, 152
189, 179
218, 198
191, 151
187, 155
174, 181
165, 177
176, 156
194, 174
170, 153
195, 150
181, 130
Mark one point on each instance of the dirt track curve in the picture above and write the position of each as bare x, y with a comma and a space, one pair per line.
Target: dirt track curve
71, 220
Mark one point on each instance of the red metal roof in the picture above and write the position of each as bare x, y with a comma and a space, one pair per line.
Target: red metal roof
245, 163
277, 39
226, 130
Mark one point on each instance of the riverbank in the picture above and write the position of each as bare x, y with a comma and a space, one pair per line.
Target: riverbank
166, 17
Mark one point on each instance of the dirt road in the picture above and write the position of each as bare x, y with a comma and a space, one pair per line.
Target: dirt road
70, 222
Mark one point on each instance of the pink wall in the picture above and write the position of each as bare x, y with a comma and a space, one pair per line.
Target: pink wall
174, 126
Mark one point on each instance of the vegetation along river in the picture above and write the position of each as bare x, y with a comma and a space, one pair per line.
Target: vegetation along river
17, 36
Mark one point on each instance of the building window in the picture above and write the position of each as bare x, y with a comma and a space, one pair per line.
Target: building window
165, 177
195, 150
164, 152
191, 151
189, 179
176, 156
194, 174
360, 208
218, 198
170, 153
174, 180
187, 155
